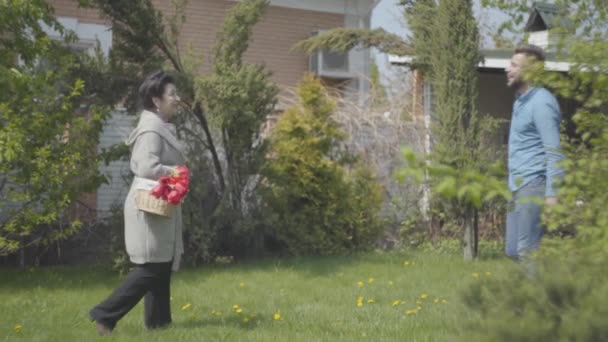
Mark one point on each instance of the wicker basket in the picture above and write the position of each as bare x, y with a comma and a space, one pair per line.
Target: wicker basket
153, 205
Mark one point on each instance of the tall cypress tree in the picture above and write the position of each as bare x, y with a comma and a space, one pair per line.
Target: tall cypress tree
453, 75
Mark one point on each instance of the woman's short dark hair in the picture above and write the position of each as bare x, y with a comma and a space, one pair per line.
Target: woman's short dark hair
154, 86
531, 50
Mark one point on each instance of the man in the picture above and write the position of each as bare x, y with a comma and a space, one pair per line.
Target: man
534, 151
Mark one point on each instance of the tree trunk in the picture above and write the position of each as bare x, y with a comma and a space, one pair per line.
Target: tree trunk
471, 233
198, 113
476, 232
22, 254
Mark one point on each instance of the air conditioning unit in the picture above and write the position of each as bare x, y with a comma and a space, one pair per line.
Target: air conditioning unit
330, 64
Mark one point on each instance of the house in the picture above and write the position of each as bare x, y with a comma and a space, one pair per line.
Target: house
285, 23
494, 97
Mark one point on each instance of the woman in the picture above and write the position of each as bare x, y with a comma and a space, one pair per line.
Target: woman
153, 242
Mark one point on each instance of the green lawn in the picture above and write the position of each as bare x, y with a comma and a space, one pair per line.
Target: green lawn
373, 297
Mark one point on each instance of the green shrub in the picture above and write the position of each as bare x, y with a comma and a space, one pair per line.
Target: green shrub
567, 300
321, 200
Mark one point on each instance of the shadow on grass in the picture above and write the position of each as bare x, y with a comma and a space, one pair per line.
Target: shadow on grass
81, 277
57, 277
233, 321
311, 266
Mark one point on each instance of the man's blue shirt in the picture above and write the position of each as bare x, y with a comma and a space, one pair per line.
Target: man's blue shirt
534, 147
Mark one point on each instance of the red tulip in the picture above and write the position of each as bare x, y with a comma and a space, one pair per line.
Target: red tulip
173, 197
162, 188
183, 174
157, 191
173, 188
180, 188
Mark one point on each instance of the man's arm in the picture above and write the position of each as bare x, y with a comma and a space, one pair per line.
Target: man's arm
547, 119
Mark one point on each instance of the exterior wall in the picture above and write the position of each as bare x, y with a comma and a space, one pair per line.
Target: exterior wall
358, 15
279, 29
418, 95
69, 8
496, 99
116, 130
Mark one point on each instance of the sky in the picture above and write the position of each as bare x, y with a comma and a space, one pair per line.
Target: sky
389, 16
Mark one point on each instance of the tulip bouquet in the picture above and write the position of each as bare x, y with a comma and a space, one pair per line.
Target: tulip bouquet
173, 188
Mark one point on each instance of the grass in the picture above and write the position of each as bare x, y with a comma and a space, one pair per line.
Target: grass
373, 297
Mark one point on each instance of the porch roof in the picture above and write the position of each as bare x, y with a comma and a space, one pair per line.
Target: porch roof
493, 59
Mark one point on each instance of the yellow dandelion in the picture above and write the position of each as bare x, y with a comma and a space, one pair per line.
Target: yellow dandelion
419, 308
411, 312
360, 284
488, 274
186, 307
424, 296
370, 280
390, 283
396, 302
418, 302
436, 300
18, 328
475, 275
406, 263
277, 316
245, 320
235, 306
239, 310
242, 284
444, 301
359, 304
370, 301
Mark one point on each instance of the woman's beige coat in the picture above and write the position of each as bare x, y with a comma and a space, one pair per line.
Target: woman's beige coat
155, 151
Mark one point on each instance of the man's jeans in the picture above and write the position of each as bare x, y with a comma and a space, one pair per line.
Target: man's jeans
524, 229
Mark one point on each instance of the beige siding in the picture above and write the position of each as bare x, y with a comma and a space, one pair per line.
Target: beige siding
115, 131
273, 37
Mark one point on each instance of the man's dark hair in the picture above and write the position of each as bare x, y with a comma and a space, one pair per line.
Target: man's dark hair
531, 50
154, 86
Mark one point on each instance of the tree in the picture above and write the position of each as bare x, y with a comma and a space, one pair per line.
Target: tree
238, 97
47, 143
456, 126
321, 201
379, 97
